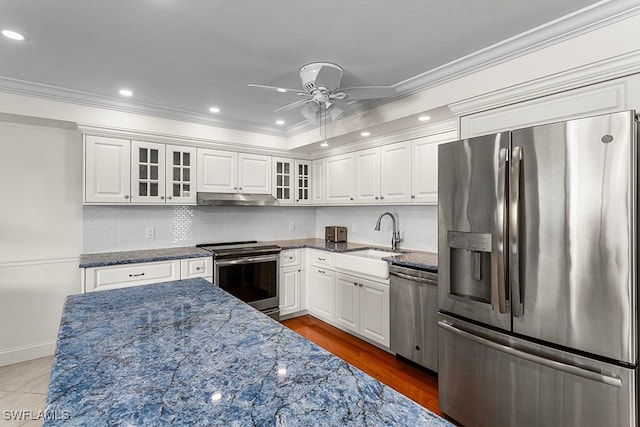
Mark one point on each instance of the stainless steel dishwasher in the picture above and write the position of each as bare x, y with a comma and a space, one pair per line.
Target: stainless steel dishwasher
414, 309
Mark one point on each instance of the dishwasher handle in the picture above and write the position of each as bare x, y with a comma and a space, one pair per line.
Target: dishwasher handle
413, 278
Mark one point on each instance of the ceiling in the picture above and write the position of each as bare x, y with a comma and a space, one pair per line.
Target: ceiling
186, 56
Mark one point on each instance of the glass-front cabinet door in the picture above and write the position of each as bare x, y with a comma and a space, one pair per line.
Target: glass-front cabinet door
180, 174
302, 182
147, 172
283, 176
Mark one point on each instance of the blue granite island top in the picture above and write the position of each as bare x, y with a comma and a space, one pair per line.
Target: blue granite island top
188, 353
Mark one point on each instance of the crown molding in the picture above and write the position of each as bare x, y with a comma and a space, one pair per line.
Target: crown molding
71, 96
591, 18
609, 69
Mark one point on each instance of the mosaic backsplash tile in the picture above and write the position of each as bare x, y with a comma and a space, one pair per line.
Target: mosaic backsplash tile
124, 228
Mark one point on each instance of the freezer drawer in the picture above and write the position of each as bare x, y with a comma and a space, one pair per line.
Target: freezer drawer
492, 379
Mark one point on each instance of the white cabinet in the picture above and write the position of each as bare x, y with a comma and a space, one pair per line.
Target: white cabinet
395, 173
318, 182
148, 171
367, 176
362, 306
180, 175
107, 170
229, 172
340, 178
303, 182
122, 276
424, 171
291, 182
291, 286
254, 174
217, 171
321, 293
134, 172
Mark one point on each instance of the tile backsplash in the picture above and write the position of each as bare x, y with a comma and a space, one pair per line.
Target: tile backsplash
122, 228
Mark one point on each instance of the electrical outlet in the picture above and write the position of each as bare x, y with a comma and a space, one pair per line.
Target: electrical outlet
292, 226
352, 229
150, 233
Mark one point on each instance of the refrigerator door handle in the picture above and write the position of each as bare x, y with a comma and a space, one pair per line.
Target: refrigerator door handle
499, 282
514, 236
553, 364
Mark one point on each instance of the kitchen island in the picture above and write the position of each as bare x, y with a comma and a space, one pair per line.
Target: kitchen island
188, 353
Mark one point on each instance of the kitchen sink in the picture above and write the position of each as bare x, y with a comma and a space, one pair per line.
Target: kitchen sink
367, 262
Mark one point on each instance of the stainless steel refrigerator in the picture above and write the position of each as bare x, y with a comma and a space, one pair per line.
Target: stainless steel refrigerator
537, 285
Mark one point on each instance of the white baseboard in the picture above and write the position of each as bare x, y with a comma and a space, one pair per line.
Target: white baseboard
22, 354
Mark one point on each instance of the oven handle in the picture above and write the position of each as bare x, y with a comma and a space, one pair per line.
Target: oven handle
247, 260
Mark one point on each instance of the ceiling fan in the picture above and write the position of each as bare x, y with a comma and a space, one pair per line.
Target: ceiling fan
323, 95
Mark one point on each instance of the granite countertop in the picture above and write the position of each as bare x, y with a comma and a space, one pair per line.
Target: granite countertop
415, 259
147, 255
188, 353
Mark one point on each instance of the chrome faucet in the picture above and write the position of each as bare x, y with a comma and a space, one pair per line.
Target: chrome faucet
395, 238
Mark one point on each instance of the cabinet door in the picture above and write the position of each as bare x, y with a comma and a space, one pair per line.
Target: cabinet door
319, 172
303, 182
395, 173
283, 180
424, 180
107, 170
367, 176
216, 171
254, 174
348, 301
374, 311
289, 290
196, 267
180, 174
147, 172
339, 179
320, 294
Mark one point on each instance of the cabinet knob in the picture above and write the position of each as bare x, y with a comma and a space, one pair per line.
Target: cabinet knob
170, 197
355, 283
376, 197
126, 196
240, 188
360, 284
198, 268
235, 188
381, 197
350, 198
413, 197
161, 197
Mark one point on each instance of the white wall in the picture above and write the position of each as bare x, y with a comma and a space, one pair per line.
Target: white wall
40, 235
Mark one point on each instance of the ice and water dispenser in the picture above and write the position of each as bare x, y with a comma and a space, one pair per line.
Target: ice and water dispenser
470, 265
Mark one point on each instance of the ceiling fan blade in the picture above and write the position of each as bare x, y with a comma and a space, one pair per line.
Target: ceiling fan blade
329, 77
277, 89
311, 112
368, 92
293, 105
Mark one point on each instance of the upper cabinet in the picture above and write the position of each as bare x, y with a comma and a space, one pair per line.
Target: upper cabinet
424, 171
367, 176
395, 173
119, 171
291, 181
229, 172
107, 170
318, 183
340, 179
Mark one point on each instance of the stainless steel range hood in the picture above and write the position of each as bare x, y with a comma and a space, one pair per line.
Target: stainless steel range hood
236, 199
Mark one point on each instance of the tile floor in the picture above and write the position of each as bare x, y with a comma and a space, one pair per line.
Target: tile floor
23, 388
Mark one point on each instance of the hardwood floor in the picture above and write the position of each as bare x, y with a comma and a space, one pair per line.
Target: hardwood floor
415, 383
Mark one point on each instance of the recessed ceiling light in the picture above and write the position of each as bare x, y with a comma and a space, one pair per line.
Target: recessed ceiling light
324, 144
214, 109
280, 122
282, 90
365, 134
424, 118
13, 35
125, 92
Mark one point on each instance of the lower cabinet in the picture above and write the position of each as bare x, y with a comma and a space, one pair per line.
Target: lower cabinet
362, 306
290, 289
321, 294
122, 276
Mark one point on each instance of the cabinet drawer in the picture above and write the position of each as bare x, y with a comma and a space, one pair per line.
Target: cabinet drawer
120, 276
290, 257
196, 267
321, 259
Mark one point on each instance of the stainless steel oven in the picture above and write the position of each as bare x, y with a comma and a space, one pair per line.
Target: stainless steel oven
249, 271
